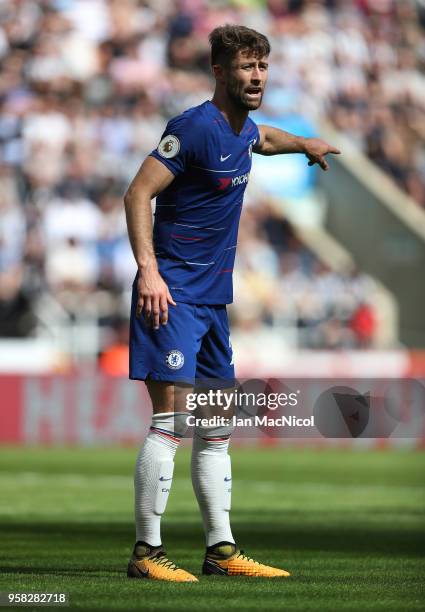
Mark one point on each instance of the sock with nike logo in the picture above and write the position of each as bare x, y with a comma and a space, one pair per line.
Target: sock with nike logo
212, 480
153, 473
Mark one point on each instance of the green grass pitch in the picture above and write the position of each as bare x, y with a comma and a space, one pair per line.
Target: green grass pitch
349, 526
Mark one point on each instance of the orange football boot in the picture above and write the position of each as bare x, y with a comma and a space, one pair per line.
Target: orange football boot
151, 562
226, 559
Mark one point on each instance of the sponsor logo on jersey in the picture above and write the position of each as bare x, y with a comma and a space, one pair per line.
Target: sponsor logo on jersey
240, 180
174, 359
224, 183
169, 146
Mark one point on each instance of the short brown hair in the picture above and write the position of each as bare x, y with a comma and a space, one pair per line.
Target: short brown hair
227, 40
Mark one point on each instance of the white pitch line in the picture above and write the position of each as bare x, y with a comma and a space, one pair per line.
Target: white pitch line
76, 479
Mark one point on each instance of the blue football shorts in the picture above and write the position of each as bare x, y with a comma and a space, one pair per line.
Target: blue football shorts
193, 347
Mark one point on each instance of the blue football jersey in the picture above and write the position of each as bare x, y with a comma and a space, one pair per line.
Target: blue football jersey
197, 215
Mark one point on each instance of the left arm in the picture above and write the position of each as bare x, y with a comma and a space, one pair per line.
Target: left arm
274, 141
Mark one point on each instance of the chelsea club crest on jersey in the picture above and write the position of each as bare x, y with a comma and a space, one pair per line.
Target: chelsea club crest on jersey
174, 359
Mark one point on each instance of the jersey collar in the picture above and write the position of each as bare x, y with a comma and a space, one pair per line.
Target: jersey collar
223, 119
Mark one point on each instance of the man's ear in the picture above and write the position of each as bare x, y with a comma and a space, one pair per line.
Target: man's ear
218, 72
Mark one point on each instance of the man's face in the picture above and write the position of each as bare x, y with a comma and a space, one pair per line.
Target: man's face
245, 80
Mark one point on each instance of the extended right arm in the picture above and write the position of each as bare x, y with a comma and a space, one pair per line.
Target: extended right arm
153, 294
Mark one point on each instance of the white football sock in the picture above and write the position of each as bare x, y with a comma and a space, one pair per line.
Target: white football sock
212, 481
154, 473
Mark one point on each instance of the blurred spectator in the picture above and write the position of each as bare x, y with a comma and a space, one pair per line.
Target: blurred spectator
113, 360
16, 316
86, 89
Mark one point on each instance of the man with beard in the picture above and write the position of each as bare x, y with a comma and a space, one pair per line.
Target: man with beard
179, 327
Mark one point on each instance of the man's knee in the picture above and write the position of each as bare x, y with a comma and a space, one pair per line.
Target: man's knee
214, 433
168, 396
172, 423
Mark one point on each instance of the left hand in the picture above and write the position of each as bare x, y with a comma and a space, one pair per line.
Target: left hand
316, 149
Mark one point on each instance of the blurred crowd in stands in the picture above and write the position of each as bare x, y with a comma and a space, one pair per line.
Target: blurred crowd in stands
86, 88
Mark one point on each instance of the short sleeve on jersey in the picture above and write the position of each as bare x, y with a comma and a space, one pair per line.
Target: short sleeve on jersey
176, 148
256, 133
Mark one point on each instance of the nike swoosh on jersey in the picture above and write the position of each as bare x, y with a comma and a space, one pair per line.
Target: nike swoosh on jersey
222, 159
164, 479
